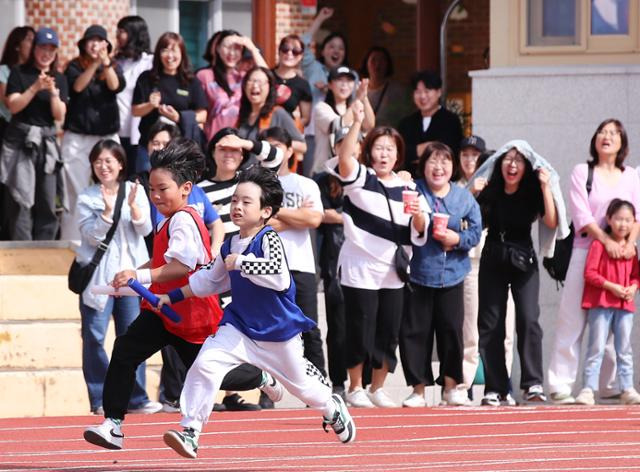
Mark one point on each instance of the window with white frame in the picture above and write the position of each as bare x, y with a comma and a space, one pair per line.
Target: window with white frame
580, 25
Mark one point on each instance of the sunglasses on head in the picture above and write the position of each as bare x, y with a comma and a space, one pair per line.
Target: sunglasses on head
295, 51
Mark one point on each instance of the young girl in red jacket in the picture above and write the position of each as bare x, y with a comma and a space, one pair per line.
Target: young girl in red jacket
609, 292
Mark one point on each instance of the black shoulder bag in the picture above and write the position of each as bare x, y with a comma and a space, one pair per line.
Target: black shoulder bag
401, 258
79, 275
558, 265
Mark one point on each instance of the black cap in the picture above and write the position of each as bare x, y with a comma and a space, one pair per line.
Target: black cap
342, 71
474, 142
95, 31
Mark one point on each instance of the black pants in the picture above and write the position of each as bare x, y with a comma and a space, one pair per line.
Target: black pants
146, 336
132, 155
373, 323
336, 331
439, 312
172, 374
307, 300
495, 277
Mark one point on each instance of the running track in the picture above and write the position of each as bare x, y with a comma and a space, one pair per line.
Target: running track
546, 438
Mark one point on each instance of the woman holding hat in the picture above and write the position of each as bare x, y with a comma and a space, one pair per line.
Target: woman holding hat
36, 97
94, 81
335, 112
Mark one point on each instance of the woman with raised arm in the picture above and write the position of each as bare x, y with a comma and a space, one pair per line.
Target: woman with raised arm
376, 228
222, 79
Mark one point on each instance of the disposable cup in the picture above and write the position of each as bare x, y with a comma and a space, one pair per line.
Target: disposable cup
440, 221
408, 197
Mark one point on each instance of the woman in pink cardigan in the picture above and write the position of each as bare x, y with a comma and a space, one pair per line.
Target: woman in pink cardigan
610, 179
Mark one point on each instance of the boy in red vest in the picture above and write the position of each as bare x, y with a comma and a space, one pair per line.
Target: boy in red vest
181, 245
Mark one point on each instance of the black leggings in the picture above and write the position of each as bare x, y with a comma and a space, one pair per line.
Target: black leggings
146, 336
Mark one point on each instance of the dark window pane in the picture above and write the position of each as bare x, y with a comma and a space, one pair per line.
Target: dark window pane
559, 18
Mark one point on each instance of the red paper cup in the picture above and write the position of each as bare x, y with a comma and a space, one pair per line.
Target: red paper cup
440, 221
408, 197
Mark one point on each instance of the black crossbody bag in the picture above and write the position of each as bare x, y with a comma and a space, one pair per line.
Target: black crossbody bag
400, 258
80, 275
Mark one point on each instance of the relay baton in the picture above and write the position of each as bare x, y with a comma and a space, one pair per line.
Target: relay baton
151, 298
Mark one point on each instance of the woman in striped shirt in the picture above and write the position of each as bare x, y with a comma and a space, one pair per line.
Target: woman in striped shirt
374, 224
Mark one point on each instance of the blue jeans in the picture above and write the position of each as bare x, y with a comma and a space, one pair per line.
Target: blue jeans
600, 321
94, 358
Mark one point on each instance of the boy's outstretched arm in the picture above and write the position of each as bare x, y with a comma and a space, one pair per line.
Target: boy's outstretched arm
171, 271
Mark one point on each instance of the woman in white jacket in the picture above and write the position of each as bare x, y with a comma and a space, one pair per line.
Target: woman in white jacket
95, 209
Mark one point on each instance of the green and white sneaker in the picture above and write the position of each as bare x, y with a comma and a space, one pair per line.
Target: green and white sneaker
341, 423
184, 443
107, 435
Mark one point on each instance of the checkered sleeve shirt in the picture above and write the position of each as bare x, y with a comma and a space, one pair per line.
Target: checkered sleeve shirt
270, 271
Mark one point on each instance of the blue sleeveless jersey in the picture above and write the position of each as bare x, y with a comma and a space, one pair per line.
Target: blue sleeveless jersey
262, 313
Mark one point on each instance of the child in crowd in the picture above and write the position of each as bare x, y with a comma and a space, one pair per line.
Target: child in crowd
181, 244
609, 291
266, 333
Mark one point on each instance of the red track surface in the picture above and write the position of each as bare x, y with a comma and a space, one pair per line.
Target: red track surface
435, 439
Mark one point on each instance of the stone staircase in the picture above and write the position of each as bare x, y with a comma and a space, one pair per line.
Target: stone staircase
40, 344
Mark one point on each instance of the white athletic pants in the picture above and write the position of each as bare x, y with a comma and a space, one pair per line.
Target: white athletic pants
470, 337
75, 151
230, 348
570, 324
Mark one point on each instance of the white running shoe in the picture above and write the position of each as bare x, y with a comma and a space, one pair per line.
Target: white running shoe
456, 397
341, 423
630, 397
147, 409
107, 435
380, 399
415, 400
359, 399
585, 397
271, 387
562, 398
184, 443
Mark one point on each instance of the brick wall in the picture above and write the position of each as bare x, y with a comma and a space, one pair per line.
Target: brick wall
71, 17
290, 20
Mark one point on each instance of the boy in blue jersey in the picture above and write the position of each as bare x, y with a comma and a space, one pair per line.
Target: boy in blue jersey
262, 324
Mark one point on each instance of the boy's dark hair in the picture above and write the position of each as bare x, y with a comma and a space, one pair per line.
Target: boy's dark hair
183, 158
276, 133
615, 205
272, 193
429, 78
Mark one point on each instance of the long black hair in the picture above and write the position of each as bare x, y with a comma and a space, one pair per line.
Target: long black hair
529, 185
10, 55
211, 56
270, 102
138, 40
326, 40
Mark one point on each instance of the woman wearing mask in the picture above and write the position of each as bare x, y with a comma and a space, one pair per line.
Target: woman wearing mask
36, 97
94, 81
95, 211
222, 79
133, 55
375, 228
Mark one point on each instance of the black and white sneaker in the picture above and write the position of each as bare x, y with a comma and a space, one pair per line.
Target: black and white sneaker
184, 443
490, 399
107, 435
341, 423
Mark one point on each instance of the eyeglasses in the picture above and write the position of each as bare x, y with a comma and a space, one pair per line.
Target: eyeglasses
109, 161
294, 51
517, 160
439, 162
608, 132
259, 82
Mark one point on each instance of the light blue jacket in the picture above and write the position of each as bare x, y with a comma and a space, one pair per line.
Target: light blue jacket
547, 236
93, 230
431, 266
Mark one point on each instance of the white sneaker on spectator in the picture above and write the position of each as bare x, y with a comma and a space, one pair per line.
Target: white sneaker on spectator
359, 399
415, 400
562, 398
456, 396
630, 397
146, 409
380, 399
507, 400
585, 397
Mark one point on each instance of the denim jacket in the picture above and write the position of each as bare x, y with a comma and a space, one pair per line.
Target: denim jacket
93, 230
431, 266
